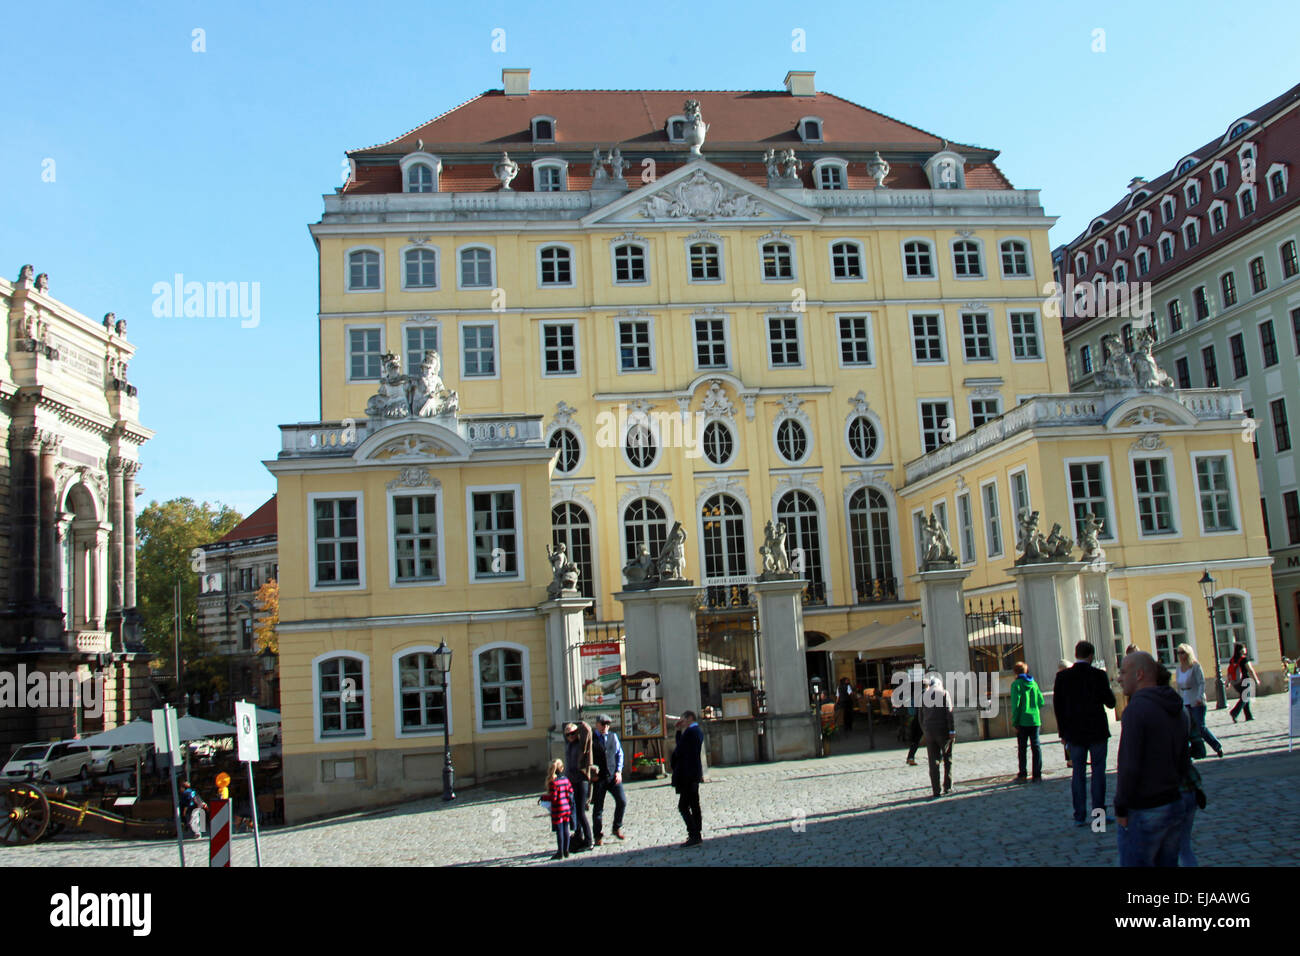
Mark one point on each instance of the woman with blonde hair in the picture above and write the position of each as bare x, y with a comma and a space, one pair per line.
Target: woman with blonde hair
1191, 687
559, 794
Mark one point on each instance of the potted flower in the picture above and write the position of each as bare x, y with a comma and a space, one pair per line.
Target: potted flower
828, 731
644, 765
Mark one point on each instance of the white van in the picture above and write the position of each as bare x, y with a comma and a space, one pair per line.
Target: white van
50, 761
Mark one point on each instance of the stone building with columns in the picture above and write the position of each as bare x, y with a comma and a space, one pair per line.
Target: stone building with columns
67, 512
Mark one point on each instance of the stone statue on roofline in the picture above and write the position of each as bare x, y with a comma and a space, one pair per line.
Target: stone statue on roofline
936, 548
564, 573
391, 401
1146, 373
430, 397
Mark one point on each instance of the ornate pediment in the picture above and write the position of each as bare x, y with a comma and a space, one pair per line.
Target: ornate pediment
716, 403
412, 446
1145, 417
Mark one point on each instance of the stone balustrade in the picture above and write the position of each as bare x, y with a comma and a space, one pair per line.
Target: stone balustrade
316, 439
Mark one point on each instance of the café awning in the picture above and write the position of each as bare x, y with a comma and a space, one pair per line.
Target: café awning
876, 639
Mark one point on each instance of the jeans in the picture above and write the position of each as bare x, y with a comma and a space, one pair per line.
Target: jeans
1197, 714
1029, 735
914, 734
562, 838
603, 786
1243, 703
935, 750
1152, 836
581, 825
688, 805
1080, 754
1185, 855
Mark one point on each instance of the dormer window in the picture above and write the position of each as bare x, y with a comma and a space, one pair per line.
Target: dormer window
1097, 227
1166, 209
810, 129
1166, 246
676, 128
1191, 232
946, 170
1219, 175
1120, 273
550, 175
1137, 198
1144, 225
1238, 129
1277, 181
1185, 165
1143, 259
831, 174
1192, 192
1101, 251
420, 172
1080, 263
1121, 238
1246, 162
1218, 216
543, 129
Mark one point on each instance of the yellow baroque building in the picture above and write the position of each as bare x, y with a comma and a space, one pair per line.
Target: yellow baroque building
656, 307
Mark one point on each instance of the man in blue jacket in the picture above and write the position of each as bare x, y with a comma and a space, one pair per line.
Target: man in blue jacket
688, 771
608, 755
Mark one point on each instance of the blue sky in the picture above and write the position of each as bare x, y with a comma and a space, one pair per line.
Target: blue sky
212, 164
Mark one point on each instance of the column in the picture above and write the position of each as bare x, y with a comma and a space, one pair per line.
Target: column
792, 732
659, 630
564, 632
116, 466
1053, 621
947, 649
48, 546
26, 478
131, 618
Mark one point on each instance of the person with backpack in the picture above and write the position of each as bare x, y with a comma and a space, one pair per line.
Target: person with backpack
1244, 680
1026, 703
193, 808
1191, 687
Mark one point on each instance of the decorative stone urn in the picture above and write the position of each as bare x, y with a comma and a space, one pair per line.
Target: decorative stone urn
505, 170
696, 129
878, 169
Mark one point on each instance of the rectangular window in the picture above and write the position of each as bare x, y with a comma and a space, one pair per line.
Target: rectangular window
1229, 285
557, 266
846, 260
706, 263
415, 537
977, 337
1246, 200
365, 357
984, 410
1276, 184
629, 264
1211, 365
778, 262
336, 542
1268, 343
419, 339
634, 346
1126, 336
559, 348
934, 421
927, 338
783, 341
711, 343
1024, 335
1281, 429
549, 179
1238, 346
1287, 253
1155, 502
917, 261
496, 542
1202, 302
966, 528
992, 524
1182, 372
1218, 218
1088, 497
1175, 316
1258, 277
479, 347
1020, 491
855, 340
1292, 502
476, 268
1085, 358
1214, 494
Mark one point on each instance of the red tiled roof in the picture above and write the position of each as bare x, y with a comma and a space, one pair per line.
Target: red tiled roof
259, 524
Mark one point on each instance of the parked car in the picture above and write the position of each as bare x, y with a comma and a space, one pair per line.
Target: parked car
121, 757
50, 761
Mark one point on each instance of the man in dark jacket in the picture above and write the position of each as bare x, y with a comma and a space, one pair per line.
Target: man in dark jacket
1153, 754
844, 703
940, 731
1080, 697
688, 771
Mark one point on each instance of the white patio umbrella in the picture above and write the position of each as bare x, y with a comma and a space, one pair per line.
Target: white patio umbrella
265, 716
196, 728
136, 732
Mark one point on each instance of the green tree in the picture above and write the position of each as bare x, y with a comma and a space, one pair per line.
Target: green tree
167, 535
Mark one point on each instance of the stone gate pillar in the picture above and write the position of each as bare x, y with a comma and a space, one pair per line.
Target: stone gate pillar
659, 635
947, 649
564, 632
1053, 620
792, 732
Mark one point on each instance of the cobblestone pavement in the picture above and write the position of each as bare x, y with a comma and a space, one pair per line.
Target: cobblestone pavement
841, 810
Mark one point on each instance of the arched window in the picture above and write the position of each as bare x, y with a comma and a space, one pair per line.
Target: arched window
629, 263
341, 696
421, 269
419, 178
798, 512
555, 265
706, 262
570, 450
1015, 258
1169, 628
1230, 625
846, 260
501, 685
725, 554
966, 258
778, 261
476, 268
869, 541
719, 444
571, 527
419, 685
918, 260
863, 441
363, 270
644, 523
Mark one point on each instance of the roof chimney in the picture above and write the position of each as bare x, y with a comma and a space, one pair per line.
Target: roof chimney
515, 82
800, 83
1135, 183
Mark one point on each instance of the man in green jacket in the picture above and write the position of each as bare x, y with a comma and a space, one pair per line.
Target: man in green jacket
1026, 701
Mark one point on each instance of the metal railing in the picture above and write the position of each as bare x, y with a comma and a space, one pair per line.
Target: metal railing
993, 634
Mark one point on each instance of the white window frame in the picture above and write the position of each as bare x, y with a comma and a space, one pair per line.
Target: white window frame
992, 336
876, 423
717, 244
1121, 239
809, 439
521, 546
1141, 261
1101, 251
348, 329
1254, 200
657, 461
1108, 531
496, 349
492, 265
550, 162
1173, 246
1281, 267
437, 268
988, 524
1038, 334
803, 129
1286, 179
526, 666
1195, 223
1143, 217
1189, 186
980, 251
1119, 272
420, 159
1168, 212
735, 442
532, 128
1172, 475
448, 710
835, 163
614, 246
1081, 263
1248, 611
943, 337
618, 345
312, 586
799, 338
862, 259
582, 448
934, 259
871, 339
347, 265
668, 128
1189, 619
577, 348
726, 342
1233, 502
573, 266
920, 419
367, 689
1217, 205
794, 261
1022, 471
970, 407
435, 492
1227, 177
961, 529
1029, 258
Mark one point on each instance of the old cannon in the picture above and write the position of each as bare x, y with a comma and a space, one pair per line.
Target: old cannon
32, 811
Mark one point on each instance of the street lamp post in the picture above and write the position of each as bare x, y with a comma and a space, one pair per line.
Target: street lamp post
1207, 589
443, 657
